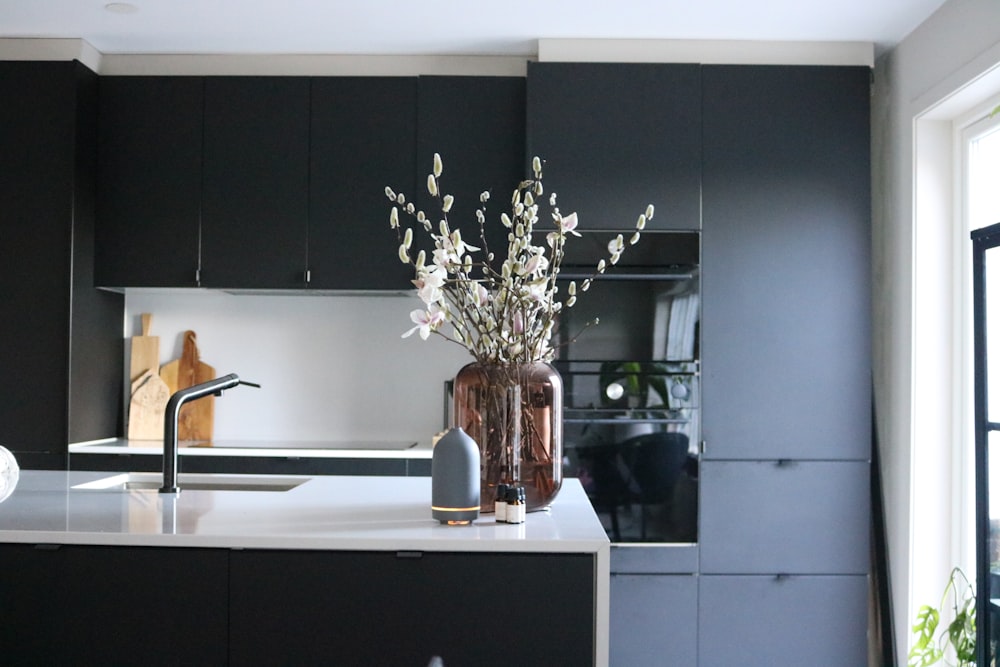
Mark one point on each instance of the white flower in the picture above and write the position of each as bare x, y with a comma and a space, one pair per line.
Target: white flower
429, 284
438, 166
536, 291
568, 223
426, 321
432, 186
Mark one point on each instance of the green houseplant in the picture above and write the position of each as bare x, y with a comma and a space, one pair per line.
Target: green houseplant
959, 637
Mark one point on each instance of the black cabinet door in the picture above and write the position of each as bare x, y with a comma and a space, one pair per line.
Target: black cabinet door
384, 608
63, 363
149, 181
476, 124
615, 137
363, 138
256, 182
654, 620
782, 621
792, 517
786, 323
113, 605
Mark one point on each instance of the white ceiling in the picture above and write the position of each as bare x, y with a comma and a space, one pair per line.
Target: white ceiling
447, 27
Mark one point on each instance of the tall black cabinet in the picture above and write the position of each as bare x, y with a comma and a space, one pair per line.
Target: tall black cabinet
60, 339
772, 165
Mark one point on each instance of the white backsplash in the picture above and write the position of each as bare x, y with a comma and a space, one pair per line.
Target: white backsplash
330, 367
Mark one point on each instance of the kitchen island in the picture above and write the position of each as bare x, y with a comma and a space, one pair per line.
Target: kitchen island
299, 570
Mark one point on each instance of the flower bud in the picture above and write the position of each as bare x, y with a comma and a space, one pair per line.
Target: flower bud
438, 166
446, 204
404, 256
570, 301
649, 212
641, 223
601, 265
634, 239
400, 198
394, 218
536, 165
443, 228
432, 185
407, 238
484, 196
572, 288
529, 199
390, 194
410, 208
505, 219
586, 285
421, 259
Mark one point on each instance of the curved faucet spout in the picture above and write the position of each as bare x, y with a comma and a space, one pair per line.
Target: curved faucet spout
179, 398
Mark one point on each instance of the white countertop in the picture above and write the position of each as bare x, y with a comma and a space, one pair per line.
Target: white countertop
346, 449
324, 512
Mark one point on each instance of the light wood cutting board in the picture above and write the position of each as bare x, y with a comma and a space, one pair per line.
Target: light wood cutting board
145, 354
196, 418
147, 404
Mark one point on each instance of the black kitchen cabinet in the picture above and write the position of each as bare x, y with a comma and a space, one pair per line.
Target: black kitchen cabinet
363, 138
76, 605
477, 125
786, 263
255, 194
654, 620
788, 517
149, 181
60, 338
786, 365
618, 136
783, 621
403, 608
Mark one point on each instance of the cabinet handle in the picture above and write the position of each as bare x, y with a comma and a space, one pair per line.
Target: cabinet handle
307, 276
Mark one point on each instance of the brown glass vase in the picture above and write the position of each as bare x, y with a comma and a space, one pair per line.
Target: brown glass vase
514, 413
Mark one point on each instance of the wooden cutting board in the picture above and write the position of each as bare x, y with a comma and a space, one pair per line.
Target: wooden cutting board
145, 353
147, 404
196, 418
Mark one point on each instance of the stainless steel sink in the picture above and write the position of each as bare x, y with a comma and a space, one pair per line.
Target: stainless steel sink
130, 481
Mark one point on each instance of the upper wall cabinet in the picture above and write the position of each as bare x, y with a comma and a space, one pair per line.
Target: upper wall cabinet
255, 200
786, 263
615, 137
149, 181
476, 124
363, 138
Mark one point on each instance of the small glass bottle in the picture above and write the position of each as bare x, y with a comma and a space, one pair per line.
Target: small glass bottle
500, 506
515, 504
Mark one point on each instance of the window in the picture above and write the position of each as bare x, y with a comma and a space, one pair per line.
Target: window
981, 147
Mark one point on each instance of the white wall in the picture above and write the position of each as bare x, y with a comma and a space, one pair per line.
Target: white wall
331, 367
917, 87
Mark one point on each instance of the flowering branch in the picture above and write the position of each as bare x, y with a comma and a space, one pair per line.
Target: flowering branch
508, 315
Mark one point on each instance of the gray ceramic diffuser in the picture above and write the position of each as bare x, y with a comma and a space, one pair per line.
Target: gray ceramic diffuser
455, 478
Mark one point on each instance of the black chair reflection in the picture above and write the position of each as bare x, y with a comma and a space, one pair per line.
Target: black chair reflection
643, 470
